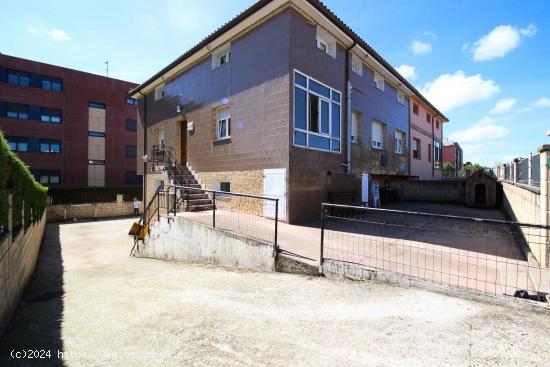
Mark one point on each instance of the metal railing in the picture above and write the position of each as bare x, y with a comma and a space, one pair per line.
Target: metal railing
252, 216
481, 255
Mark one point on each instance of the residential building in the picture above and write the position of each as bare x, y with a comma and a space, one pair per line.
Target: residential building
73, 129
426, 140
452, 154
285, 100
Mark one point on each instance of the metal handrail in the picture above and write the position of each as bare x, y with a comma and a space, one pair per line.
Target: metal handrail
226, 193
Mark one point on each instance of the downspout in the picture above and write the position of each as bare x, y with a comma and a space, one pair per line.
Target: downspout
433, 144
144, 151
348, 112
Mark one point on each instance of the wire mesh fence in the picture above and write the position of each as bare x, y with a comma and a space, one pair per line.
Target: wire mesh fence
526, 172
251, 216
487, 256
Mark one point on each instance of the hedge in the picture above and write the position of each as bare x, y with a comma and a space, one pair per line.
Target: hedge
15, 178
81, 195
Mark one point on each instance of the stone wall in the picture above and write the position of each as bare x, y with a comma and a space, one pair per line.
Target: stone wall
61, 212
18, 255
447, 191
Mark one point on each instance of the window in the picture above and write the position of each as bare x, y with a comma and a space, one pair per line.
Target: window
356, 65
55, 85
97, 134
17, 111
18, 144
316, 115
437, 124
399, 141
132, 178
400, 97
415, 108
46, 177
428, 117
159, 92
221, 56
377, 135
325, 42
131, 125
379, 81
225, 186
223, 125
131, 101
50, 115
96, 162
97, 105
131, 151
355, 121
429, 152
18, 78
416, 148
50, 146
437, 153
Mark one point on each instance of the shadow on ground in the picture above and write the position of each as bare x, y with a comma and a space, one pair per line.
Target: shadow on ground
36, 324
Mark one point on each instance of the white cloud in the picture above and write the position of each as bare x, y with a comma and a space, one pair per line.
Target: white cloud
501, 40
542, 102
55, 34
429, 34
449, 91
408, 71
481, 131
503, 105
420, 48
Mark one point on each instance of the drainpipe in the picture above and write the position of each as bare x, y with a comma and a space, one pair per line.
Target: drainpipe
348, 112
144, 152
433, 145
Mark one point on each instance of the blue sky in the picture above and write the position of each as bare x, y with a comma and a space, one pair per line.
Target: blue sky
484, 63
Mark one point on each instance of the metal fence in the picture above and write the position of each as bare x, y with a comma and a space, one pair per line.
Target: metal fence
481, 255
527, 173
251, 216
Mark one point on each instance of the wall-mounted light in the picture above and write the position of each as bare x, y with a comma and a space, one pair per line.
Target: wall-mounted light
145, 158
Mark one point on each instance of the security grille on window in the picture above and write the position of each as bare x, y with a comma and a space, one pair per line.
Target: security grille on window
316, 115
223, 126
377, 134
399, 139
379, 81
416, 148
355, 120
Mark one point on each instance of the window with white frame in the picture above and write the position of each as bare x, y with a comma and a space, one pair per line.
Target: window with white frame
437, 152
316, 114
379, 81
377, 135
356, 65
355, 121
159, 92
223, 124
326, 42
399, 140
416, 148
400, 97
221, 56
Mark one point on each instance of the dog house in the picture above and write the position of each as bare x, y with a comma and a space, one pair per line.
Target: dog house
481, 190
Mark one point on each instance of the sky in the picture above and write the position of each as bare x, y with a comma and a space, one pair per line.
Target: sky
484, 63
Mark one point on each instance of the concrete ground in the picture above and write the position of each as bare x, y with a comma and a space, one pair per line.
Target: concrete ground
91, 301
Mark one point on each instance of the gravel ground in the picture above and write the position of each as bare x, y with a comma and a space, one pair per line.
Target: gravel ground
99, 307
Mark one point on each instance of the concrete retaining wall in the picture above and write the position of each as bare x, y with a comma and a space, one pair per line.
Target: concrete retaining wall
61, 212
17, 261
446, 191
182, 240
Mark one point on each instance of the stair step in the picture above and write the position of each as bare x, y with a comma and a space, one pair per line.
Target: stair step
197, 196
200, 208
193, 202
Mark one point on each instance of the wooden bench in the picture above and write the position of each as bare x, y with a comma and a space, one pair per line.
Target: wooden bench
345, 197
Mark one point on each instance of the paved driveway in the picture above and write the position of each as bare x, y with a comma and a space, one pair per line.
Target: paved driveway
91, 301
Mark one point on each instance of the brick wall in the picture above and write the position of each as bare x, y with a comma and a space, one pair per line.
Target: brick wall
448, 191
61, 212
17, 261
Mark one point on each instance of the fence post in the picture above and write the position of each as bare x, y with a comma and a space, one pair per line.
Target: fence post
158, 206
530, 170
322, 235
544, 152
214, 210
515, 168
276, 221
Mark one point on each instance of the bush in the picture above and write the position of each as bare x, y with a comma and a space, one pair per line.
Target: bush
81, 195
15, 178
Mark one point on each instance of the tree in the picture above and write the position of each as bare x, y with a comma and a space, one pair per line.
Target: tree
448, 169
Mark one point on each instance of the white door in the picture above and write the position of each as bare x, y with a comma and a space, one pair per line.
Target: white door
365, 189
275, 187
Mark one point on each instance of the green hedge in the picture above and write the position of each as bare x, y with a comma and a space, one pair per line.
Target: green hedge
15, 178
80, 195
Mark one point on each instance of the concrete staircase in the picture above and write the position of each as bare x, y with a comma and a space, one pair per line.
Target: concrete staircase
197, 199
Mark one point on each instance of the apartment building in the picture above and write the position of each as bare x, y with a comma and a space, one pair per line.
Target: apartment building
426, 140
73, 129
284, 100
452, 154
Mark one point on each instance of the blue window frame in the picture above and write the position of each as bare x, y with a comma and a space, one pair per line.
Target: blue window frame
317, 115
18, 78
131, 101
50, 115
97, 105
50, 146
96, 134
17, 111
